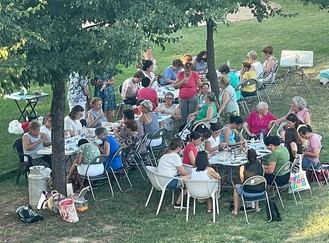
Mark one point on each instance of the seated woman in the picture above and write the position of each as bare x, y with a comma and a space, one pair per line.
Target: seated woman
46, 128
246, 74
190, 151
95, 116
200, 63
213, 142
109, 146
203, 171
232, 77
298, 107
203, 94
229, 131
129, 142
33, 141
147, 93
255, 64
270, 60
149, 121
72, 125
274, 161
293, 143
313, 149
170, 164
259, 121
87, 152
227, 98
208, 112
252, 168
168, 108
292, 121
205, 135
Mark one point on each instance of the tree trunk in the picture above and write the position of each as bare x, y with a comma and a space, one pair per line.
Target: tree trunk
57, 136
212, 75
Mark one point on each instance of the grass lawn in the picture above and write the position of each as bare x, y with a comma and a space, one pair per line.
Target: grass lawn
124, 217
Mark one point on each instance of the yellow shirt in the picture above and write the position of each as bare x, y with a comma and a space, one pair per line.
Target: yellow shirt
247, 76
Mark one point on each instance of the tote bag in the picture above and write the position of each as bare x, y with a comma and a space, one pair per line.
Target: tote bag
298, 179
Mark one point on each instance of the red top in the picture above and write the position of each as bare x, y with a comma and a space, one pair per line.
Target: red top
258, 124
188, 148
148, 94
190, 89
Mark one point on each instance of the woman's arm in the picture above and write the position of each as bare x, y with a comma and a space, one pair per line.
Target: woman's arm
213, 174
181, 170
294, 149
269, 65
28, 145
314, 154
191, 157
307, 118
227, 132
226, 99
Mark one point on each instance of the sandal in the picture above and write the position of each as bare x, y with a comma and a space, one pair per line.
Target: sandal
234, 214
209, 211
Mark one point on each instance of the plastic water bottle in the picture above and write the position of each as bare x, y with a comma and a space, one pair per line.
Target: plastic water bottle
261, 137
228, 63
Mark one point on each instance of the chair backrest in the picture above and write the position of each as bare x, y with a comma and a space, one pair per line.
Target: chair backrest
141, 142
200, 125
255, 184
116, 154
98, 160
285, 169
18, 148
248, 83
160, 133
201, 188
158, 180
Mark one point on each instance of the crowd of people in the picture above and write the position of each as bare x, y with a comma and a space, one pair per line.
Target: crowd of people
196, 104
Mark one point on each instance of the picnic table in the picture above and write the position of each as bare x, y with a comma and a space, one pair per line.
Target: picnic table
30, 102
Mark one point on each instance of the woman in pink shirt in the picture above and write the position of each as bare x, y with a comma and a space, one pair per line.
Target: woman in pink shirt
147, 93
259, 121
191, 150
187, 82
312, 152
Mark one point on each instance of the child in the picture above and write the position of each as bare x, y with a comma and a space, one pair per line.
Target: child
202, 171
108, 96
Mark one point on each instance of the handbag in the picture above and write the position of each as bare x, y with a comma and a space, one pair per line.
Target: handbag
298, 180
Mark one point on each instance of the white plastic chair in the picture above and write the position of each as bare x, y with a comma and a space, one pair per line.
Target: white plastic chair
203, 189
160, 182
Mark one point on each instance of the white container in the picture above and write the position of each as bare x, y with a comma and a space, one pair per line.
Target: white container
38, 177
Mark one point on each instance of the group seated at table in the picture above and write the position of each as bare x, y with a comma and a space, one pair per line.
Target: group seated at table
95, 116
33, 141
259, 121
72, 124
252, 168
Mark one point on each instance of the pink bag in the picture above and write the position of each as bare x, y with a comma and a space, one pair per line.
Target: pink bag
67, 210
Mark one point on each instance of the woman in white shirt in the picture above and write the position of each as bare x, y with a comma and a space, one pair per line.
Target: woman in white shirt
255, 64
203, 171
46, 128
213, 143
72, 123
170, 164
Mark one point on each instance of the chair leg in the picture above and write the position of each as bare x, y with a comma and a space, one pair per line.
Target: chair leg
300, 197
293, 193
160, 202
268, 205
279, 195
194, 206
109, 181
316, 176
149, 197
187, 206
139, 169
91, 188
116, 179
213, 209
267, 96
131, 186
244, 209
217, 205
172, 197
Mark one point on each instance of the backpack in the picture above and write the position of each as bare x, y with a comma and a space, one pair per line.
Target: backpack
274, 211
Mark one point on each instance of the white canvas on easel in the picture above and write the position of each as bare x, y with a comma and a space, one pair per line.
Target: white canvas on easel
296, 58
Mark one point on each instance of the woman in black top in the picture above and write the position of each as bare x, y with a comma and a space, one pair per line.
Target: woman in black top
293, 143
252, 168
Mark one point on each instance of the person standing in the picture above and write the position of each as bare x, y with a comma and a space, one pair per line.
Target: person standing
187, 82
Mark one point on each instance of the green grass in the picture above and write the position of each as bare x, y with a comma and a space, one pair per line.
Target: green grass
124, 217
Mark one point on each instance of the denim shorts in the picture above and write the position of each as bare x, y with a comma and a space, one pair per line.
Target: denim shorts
173, 184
